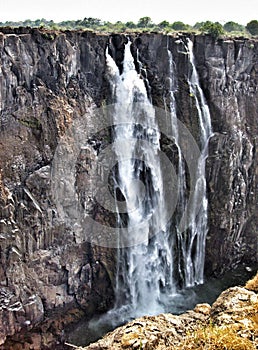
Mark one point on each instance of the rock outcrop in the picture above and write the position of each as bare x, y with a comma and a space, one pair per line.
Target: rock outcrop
48, 81
229, 80
231, 323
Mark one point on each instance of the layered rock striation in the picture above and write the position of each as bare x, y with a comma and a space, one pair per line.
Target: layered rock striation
47, 81
50, 80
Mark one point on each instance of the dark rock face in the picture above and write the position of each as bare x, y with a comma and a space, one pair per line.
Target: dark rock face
228, 76
49, 80
46, 83
228, 72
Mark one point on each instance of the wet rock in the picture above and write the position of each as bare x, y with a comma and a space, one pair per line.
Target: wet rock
51, 83
48, 82
228, 73
235, 309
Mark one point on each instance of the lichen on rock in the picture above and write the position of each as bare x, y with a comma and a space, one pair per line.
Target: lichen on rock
231, 323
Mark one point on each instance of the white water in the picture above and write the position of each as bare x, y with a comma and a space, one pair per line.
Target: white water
146, 267
194, 264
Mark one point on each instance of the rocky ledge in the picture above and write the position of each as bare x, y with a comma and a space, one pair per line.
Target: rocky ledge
231, 322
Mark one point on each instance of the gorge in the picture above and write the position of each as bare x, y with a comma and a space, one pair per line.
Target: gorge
58, 249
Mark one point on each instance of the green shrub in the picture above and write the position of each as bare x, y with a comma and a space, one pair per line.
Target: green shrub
144, 22
252, 27
179, 26
198, 25
214, 29
233, 27
163, 24
130, 24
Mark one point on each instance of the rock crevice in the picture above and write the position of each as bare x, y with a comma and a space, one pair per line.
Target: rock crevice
49, 81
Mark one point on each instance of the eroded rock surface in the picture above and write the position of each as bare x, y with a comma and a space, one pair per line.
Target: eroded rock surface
229, 75
50, 81
47, 81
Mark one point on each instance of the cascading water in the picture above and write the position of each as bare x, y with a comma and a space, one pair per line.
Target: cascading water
146, 263
145, 267
194, 265
192, 230
178, 238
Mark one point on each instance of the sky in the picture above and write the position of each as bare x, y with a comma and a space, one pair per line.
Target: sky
187, 11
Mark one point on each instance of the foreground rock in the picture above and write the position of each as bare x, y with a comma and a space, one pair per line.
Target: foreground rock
230, 323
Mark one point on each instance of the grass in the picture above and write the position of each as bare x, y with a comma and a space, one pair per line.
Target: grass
214, 337
236, 336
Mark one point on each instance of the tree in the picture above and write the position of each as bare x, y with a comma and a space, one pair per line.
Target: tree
37, 22
144, 22
198, 25
233, 27
163, 24
214, 29
179, 26
252, 27
130, 24
90, 22
119, 26
27, 23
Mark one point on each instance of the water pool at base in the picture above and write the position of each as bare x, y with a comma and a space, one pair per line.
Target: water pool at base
88, 331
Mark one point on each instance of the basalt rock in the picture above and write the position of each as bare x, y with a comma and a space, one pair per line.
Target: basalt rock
231, 321
47, 81
228, 72
50, 81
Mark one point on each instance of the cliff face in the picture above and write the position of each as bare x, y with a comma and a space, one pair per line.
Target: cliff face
228, 73
47, 81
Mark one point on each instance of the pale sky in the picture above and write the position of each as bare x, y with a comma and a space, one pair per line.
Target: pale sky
188, 11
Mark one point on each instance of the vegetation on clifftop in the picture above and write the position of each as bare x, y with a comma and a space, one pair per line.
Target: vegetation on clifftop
145, 24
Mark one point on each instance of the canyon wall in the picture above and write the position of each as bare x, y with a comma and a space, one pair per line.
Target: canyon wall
48, 82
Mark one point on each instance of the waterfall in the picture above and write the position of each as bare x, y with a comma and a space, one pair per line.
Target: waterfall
178, 238
194, 245
144, 267
201, 104
190, 224
146, 261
